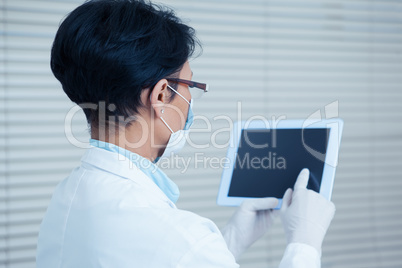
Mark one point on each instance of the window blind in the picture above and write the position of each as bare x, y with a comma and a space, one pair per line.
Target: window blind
266, 58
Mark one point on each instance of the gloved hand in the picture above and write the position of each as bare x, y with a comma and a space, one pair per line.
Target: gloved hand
250, 221
306, 215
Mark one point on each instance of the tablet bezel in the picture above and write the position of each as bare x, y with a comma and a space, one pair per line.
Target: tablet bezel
331, 157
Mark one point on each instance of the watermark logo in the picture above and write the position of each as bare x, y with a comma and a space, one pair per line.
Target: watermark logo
270, 161
218, 130
330, 111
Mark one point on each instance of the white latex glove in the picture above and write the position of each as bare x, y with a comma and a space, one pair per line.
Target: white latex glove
250, 221
306, 215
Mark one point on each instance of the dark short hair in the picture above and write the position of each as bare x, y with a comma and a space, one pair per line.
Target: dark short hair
111, 50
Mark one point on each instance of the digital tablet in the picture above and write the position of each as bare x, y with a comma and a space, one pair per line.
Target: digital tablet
265, 157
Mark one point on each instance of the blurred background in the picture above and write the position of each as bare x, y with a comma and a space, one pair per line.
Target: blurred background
271, 58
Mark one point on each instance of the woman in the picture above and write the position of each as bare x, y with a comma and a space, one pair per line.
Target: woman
126, 64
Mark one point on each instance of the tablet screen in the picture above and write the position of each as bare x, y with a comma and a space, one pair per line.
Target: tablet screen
269, 161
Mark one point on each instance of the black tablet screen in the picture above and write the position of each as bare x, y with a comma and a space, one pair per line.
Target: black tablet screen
269, 161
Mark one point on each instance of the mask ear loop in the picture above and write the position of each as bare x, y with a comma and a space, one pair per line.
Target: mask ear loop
163, 120
174, 90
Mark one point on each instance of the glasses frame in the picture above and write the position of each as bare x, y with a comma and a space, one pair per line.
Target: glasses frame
192, 84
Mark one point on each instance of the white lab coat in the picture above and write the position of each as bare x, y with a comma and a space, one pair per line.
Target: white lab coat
108, 213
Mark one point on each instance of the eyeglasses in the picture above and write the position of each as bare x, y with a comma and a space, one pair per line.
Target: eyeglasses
192, 84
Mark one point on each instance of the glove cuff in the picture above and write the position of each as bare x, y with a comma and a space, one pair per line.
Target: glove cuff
311, 235
229, 234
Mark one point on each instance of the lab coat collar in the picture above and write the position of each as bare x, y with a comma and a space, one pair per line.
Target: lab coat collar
120, 165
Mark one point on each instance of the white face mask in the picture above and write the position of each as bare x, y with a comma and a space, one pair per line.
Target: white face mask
177, 139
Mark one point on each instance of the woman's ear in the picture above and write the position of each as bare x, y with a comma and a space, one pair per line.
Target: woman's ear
159, 97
